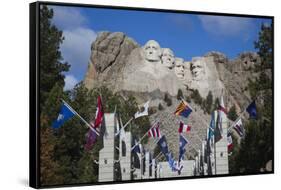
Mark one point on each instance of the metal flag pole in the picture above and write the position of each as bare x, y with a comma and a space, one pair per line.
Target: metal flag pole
73, 111
143, 136
123, 127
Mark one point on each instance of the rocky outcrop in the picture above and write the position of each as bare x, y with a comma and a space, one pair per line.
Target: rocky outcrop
108, 54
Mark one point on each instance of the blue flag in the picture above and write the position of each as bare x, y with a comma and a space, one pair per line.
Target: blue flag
170, 160
183, 109
252, 110
64, 115
162, 143
137, 148
211, 127
182, 144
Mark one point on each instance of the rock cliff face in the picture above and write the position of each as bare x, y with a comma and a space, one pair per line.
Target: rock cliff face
108, 54
149, 72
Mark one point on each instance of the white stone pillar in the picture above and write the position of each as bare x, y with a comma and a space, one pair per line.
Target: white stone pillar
221, 152
106, 155
125, 157
153, 165
146, 173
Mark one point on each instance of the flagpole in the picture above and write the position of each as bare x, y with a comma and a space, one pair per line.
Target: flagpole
215, 157
73, 111
143, 136
124, 126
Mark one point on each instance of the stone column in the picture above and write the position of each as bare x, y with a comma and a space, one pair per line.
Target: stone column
221, 152
106, 155
125, 157
147, 156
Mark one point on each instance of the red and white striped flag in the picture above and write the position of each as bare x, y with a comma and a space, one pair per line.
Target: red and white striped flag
229, 142
184, 127
154, 131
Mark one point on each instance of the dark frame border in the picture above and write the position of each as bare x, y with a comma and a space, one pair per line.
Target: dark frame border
34, 98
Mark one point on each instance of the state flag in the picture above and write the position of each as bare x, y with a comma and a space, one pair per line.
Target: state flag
65, 114
252, 110
238, 127
96, 123
162, 143
144, 112
137, 148
184, 127
182, 142
229, 142
91, 139
183, 109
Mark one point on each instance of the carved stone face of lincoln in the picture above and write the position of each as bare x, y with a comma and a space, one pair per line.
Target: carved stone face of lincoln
179, 68
152, 51
168, 58
197, 68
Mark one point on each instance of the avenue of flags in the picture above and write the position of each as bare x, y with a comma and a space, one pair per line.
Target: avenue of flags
214, 131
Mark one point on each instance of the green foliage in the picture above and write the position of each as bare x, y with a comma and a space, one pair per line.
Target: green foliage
232, 115
216, 104
160, 107
180, 94
264, 46
51, 66
157, 151
261, 83
188, 99
168, 100
256, 148
209, 102
197, 97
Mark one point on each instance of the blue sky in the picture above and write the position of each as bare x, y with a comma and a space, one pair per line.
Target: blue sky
188, 35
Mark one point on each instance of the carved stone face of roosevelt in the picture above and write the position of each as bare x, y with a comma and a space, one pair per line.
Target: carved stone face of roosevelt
197, 68
179, 68
152, 51
168, 58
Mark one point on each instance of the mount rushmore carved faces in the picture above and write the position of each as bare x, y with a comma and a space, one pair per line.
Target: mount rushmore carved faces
179, 68
168, 58
152, 51
197, 68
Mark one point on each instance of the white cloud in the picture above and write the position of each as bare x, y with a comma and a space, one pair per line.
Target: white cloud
70, 82
78, 38
68, 17
225, 25
76, 48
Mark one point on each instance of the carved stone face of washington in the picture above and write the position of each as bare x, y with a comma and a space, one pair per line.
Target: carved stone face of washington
179, 68
168, 58
152, 51
197, 69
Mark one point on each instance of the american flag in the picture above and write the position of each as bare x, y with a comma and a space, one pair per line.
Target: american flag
155, 131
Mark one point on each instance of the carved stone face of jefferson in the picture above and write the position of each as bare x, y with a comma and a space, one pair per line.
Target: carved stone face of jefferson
168, 58
152, 51
179, 68
197, 68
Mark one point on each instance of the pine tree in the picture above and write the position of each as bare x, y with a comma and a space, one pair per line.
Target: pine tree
51, 65
256, 148
209, 102
160, 107
232, 115
180, 94
264, 45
